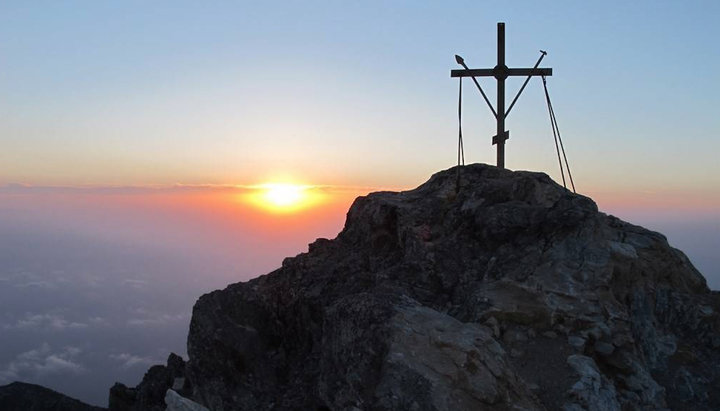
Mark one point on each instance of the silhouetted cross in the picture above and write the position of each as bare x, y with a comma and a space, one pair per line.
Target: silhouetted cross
501, 72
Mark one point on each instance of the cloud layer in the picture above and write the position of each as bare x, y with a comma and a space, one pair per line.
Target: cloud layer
42, 361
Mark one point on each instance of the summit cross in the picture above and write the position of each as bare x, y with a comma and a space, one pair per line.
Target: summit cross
501, 72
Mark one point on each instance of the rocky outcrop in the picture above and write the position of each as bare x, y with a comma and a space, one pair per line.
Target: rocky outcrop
20, 396
150, 394
481, 289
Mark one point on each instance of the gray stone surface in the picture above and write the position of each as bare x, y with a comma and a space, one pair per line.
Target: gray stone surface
592, 391
176, 402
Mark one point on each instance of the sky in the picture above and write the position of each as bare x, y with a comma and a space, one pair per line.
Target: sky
131, 133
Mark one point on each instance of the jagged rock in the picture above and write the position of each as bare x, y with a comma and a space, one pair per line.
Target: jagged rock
176, 402
550, 334
467, 368
603, 348
150, 394
576, 342
593, 391
421, 299
20, 396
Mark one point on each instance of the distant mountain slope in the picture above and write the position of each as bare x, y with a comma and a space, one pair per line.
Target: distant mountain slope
20, 396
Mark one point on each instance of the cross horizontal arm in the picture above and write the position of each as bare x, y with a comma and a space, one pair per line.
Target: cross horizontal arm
530, 72
472, 73
510, 72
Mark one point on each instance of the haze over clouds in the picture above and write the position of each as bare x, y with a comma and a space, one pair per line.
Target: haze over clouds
99, 284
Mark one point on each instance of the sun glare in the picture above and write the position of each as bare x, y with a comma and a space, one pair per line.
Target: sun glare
283, 197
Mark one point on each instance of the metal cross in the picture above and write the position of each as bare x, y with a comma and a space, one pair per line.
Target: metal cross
501, 72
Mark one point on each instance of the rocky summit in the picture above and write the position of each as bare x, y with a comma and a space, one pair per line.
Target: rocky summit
481, 289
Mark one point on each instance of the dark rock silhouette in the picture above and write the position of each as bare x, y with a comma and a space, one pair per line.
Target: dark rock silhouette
20, 396
509, 293
149, 395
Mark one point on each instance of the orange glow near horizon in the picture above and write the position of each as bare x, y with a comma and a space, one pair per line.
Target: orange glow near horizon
284, 198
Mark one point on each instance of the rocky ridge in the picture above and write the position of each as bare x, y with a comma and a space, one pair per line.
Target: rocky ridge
481, 289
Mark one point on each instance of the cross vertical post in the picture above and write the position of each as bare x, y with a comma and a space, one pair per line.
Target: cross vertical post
501, 72
500, 75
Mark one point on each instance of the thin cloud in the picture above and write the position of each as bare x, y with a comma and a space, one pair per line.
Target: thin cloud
45, 322
41, 362
178, 187
30, 279
156, 319
135, 283
37, 284
127, 360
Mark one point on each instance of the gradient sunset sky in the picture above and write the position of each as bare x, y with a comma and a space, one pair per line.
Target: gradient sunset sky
134, 136
354, 92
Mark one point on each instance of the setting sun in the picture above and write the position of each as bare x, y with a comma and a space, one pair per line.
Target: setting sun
283, 197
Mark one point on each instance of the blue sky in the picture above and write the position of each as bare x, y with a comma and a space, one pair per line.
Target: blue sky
353, 92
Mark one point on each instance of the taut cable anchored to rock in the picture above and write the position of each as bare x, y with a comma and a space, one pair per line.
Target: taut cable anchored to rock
557, 138
461, 150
